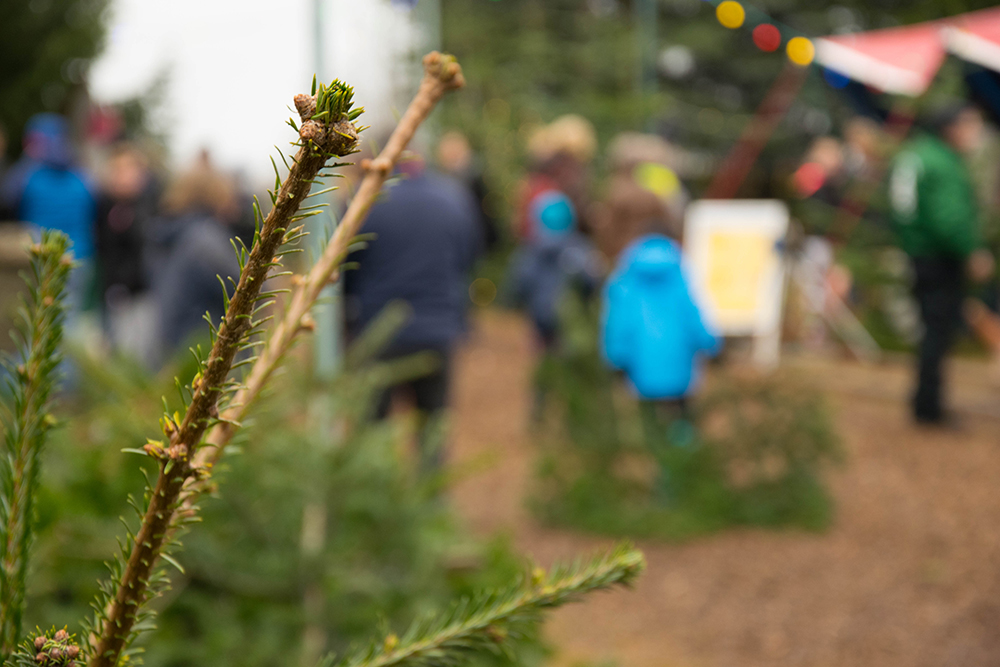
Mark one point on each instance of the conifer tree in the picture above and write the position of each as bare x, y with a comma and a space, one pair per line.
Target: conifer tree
27, 419
216, 402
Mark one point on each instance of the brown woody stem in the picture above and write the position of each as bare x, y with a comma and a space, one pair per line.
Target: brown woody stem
177, 468
441, 74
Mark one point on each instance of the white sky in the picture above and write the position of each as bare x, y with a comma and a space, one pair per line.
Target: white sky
234, 66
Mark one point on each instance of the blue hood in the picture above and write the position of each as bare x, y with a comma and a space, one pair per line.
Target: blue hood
654, 258
47, 139
652, 328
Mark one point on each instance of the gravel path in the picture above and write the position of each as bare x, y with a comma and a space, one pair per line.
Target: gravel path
908, 576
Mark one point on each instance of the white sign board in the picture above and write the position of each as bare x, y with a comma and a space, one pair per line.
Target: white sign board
733, 248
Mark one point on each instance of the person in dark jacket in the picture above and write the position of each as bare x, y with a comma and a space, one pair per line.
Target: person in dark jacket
127, 204
427, 237
935, 214
558, 259
188, 249
544, 271
456, 159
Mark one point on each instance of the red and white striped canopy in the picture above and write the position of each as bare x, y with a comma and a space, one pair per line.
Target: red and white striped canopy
905, 60
975, 37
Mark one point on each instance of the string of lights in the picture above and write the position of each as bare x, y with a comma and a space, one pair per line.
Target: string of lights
768, 35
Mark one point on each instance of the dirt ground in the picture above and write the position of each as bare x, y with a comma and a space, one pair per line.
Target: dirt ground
909, 575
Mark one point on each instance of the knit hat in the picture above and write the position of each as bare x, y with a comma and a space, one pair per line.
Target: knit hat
554, 212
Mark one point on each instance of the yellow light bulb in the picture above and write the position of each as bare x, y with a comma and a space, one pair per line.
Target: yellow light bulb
730, 14
801, 51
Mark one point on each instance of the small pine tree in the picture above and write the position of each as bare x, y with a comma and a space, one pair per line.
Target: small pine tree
215, 403
27, 418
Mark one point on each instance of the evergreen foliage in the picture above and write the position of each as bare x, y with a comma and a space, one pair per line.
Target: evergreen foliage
137, 576
45, 47
27, 420
387, 548
55, 648
493, 620
752, 452
531, 60
174, 476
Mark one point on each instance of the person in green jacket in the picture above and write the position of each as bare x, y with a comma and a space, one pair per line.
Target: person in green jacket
935, 213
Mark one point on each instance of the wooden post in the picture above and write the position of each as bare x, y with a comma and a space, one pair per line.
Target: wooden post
772, 110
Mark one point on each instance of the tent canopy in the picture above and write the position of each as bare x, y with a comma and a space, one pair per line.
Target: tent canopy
905, 60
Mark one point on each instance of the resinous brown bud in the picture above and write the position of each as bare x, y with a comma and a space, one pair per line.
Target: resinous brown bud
313, 131
305, 105
342, 137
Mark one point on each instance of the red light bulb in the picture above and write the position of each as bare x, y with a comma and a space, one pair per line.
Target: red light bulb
767, 37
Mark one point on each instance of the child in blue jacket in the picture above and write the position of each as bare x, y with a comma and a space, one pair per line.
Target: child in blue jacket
653, 331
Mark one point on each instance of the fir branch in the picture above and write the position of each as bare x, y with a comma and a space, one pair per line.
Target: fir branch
442, 74
494, 620
138, 577
27, 421
55, 648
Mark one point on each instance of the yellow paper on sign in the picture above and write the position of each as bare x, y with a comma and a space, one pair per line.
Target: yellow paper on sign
737, 264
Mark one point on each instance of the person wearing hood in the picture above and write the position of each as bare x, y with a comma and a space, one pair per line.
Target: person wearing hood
561, 154
652, 329
557, 259
46, 190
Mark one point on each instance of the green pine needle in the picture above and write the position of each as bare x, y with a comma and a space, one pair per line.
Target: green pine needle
26, 418
335, 102
493, 620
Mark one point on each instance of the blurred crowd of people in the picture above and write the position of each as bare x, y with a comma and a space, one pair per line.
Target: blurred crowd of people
623, 248
151, 248
148, 246
622, 240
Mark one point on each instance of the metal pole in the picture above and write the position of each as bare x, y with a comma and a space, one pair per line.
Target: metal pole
328, 312
644, 16
426, 22
428, 15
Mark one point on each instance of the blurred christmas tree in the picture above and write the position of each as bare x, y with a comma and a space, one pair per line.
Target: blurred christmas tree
754, 450
319, 536
45, 50
534, 59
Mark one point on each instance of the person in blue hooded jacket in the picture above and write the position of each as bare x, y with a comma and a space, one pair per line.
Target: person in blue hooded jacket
652, 329
47, 190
